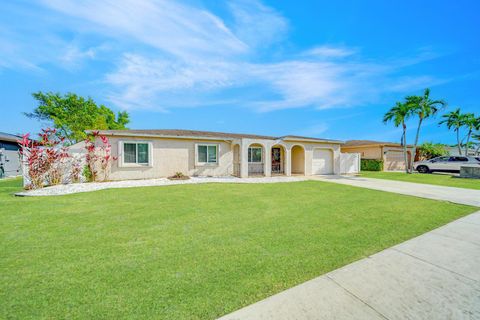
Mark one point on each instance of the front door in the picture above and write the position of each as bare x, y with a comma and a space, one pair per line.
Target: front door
277, 166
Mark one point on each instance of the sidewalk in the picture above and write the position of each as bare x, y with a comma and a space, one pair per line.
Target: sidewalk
433, 276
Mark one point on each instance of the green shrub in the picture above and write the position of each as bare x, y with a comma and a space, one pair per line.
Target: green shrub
429, 150
87, 173
371, 165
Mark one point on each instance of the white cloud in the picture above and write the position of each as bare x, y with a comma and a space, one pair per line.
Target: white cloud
177, 29
167, 54
257, 24
329, 52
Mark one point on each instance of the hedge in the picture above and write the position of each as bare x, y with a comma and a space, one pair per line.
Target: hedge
371, 165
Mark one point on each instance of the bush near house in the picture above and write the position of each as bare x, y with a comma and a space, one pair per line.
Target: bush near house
371, 165
429, 150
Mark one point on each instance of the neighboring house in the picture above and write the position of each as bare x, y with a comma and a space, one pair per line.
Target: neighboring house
9, 157
453, 151
391, 153
144, 154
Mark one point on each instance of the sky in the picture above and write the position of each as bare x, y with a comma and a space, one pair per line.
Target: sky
327, 69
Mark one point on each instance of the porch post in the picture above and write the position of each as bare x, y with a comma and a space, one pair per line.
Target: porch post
267, 166
288, 161
244, 159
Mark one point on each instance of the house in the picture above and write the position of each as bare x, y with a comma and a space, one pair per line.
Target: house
145, 154
391, 153
453, 151
9, 157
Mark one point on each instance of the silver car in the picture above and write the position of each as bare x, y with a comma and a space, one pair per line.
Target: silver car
445, 164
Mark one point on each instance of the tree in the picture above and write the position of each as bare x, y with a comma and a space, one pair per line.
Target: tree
399, 114
455, 120
476, 137
469, 121
423, 107
72, 115
429, 150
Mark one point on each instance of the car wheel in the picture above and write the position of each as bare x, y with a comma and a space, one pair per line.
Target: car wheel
423, 169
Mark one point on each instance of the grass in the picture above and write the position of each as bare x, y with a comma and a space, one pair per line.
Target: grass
436, 179
191, 251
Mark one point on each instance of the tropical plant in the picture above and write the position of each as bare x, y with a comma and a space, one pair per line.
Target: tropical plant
44, 158
98, 157
454, 120
429, 150
423, 107
399, 114
72, 115
476, 137
472, 123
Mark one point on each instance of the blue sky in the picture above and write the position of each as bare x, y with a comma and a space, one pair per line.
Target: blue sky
317, 68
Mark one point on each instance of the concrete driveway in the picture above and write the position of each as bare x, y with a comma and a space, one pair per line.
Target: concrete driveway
456, 195
433, 276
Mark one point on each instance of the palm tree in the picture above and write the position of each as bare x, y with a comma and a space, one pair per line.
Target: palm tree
454, 119
477, 138
424, 108
398, 114
471, 123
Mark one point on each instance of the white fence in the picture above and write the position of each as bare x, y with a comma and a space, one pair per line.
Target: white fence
349, 163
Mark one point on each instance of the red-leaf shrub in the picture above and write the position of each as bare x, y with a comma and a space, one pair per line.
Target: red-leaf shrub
99, 157
43, 158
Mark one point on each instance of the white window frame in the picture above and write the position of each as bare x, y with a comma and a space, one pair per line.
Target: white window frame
121, 154
250, 153
198, 163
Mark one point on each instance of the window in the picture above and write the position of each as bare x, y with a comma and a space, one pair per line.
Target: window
458, 159
135, 152
255, 154
207, 153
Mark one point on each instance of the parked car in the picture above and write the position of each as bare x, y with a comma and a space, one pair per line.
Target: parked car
445, 164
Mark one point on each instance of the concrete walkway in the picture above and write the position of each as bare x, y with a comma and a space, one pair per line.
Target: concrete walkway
433, 276
456, 195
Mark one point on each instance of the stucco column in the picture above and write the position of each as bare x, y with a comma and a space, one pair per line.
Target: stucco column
244, 160
267, 166
288, 161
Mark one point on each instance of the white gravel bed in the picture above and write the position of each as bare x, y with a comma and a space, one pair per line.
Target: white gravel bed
93, 186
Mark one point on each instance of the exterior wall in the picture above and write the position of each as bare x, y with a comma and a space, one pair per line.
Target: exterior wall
10, 158
170, 156
288, 145
393, 158
367, 152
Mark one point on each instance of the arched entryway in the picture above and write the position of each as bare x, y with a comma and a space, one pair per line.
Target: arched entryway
298, 160
256, 159
278, 159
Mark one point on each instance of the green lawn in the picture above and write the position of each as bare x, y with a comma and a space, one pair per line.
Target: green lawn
191, 251
437, 179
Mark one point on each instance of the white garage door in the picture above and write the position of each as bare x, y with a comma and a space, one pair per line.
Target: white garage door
322, 162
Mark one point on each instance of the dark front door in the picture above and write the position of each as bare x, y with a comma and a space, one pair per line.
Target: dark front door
277, 166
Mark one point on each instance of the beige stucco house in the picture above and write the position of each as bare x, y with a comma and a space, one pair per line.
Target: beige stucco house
145, 154
391, 153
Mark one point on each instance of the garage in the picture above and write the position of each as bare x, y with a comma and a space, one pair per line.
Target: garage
322, 161
394, 161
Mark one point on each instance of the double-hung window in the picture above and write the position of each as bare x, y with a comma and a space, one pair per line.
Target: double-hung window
207, 153
136, 153
255, 154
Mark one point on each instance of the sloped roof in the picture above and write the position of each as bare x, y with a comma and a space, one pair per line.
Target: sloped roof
9, 137
204, 134
362, 143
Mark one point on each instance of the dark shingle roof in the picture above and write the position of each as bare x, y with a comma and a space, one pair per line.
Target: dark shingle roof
205, 134
9, 137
